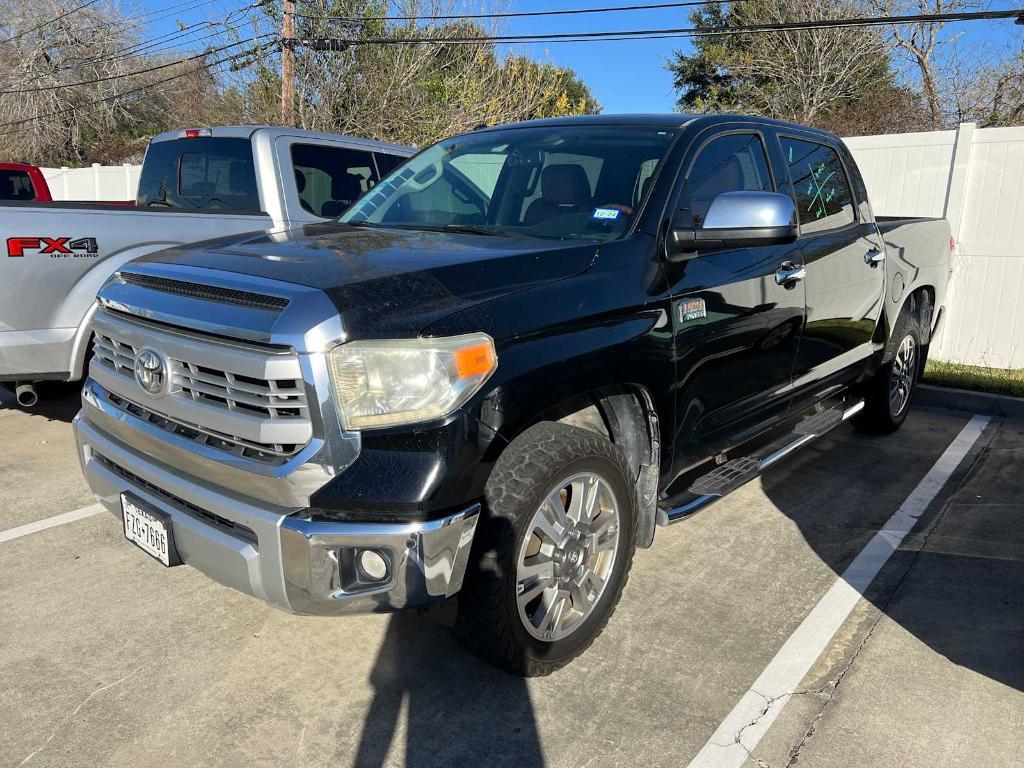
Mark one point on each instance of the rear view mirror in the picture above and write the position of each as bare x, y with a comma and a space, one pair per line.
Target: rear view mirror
521, 157
737, 220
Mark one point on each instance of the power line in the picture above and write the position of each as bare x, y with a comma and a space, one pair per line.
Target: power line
199, 4
136, 48
113, 97
165, 12
142, 45
145, 70
46, 23
140, 18
158, 14
335, 44
149, 51
146, 46
516, 14
121, 53
644, 34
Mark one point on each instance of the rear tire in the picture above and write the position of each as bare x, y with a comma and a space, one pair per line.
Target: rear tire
888, 393
552, 551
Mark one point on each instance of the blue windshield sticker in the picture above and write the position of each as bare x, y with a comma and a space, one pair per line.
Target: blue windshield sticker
609, 214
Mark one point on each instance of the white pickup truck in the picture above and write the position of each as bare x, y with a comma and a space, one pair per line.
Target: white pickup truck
196, 184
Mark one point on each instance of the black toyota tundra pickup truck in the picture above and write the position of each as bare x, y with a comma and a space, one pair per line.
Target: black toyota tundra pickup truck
503, 368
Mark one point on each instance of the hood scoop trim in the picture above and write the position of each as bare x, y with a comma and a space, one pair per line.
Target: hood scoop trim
205, 292
228, 305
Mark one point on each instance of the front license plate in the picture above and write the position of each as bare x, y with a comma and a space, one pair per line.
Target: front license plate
148, 529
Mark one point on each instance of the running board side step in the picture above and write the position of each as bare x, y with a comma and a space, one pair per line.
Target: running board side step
722, 480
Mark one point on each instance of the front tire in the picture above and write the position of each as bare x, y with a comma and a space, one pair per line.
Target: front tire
552, 551
888, 393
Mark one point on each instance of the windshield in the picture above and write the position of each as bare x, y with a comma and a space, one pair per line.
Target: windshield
561, 182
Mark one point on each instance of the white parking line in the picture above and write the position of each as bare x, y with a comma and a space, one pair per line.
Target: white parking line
743, 728
50, 522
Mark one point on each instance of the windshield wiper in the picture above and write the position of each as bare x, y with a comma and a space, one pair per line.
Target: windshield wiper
473, 229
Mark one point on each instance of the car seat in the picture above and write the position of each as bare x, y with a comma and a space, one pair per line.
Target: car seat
563, 189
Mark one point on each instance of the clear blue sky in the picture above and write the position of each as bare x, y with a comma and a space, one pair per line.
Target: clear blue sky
626, 76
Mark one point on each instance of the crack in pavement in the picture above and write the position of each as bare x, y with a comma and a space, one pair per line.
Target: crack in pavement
78, 709
769, 701
883, 609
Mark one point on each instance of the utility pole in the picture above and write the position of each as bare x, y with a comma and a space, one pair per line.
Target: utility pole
288, 64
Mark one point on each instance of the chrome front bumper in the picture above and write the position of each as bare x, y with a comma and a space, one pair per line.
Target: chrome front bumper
277, 553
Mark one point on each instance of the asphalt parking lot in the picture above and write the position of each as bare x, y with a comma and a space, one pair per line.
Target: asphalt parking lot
108, 659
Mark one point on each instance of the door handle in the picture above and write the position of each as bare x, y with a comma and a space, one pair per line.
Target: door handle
874, 257
790, 273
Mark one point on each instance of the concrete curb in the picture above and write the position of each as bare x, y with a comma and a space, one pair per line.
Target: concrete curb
965, 400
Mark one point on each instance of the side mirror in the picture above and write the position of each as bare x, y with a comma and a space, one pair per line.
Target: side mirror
737, 220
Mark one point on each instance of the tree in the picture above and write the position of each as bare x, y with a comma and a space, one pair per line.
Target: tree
922, 43
427, 80
565, 93
77, 87
990, 93
78, 84
85, 46
838, 78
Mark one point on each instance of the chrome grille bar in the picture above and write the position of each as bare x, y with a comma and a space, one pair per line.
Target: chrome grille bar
266, 453
240, 398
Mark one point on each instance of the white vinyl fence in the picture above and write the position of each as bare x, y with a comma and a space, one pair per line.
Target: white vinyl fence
973, 177
98, 182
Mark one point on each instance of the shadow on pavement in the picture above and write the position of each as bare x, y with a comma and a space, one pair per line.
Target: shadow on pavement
58, 400
956, 584
457, 709
957, 581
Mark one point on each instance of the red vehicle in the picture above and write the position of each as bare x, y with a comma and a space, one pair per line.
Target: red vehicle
20, 181
24, 182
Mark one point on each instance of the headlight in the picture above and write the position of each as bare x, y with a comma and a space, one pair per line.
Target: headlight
387, 383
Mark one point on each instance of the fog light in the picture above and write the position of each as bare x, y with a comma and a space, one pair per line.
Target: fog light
372, 565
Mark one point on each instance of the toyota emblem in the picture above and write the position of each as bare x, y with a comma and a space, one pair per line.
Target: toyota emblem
150, 372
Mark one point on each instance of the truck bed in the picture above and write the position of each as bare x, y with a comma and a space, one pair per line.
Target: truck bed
918, 252
44, 295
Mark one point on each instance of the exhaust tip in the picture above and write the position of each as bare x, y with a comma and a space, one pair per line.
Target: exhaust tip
26, 395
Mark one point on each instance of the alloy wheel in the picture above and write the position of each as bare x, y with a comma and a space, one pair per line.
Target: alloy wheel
566, 559
903, 375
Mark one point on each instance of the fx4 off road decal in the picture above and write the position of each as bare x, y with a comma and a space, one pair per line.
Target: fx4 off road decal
55, 247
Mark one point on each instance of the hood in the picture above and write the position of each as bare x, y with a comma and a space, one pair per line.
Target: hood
390, 282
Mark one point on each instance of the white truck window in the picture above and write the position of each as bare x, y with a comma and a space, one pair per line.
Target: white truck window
205, 173
330, 179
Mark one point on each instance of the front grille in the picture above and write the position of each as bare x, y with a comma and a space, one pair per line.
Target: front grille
235, 529
273, 398
266, 454
280, 399
240, 398
205, 292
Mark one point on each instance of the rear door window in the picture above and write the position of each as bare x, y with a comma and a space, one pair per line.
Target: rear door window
823, 197
330, 179
204, 173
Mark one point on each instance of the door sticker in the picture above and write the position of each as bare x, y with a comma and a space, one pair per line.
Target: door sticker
54, 247
692, 309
